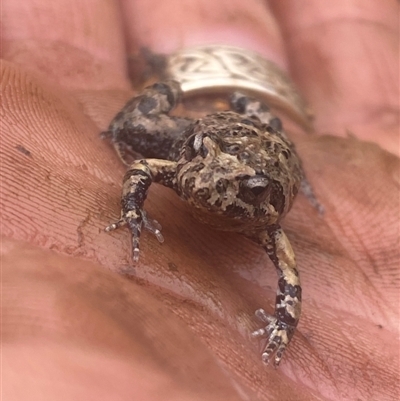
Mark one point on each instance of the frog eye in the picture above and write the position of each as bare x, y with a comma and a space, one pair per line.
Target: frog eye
254, 190
194, 146
257, 189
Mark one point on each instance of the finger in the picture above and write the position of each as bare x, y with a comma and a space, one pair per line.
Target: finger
77, 44
72, 330
345, 59
170, 25
178, 24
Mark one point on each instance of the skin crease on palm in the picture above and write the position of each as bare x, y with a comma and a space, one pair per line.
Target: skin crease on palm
176, 327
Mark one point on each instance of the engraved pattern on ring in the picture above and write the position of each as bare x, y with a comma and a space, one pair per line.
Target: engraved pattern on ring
214, 68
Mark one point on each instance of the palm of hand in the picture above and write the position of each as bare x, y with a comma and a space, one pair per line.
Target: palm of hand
60, 187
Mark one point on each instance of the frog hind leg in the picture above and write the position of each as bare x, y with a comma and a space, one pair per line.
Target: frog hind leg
144, 128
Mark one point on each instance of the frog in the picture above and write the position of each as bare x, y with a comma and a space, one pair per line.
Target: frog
238, 171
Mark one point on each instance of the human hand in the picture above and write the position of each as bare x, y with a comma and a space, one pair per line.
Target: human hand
177, 327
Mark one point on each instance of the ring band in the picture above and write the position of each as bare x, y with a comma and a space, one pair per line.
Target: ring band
219, 69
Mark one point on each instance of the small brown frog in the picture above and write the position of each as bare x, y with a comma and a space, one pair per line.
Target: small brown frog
238, 171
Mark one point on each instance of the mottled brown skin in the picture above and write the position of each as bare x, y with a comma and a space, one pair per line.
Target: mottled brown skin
237, 170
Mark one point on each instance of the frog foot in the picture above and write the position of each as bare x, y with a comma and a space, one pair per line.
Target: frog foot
136, 219
278, 335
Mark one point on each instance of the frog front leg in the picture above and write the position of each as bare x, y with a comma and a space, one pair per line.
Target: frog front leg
136, 183
280, 326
